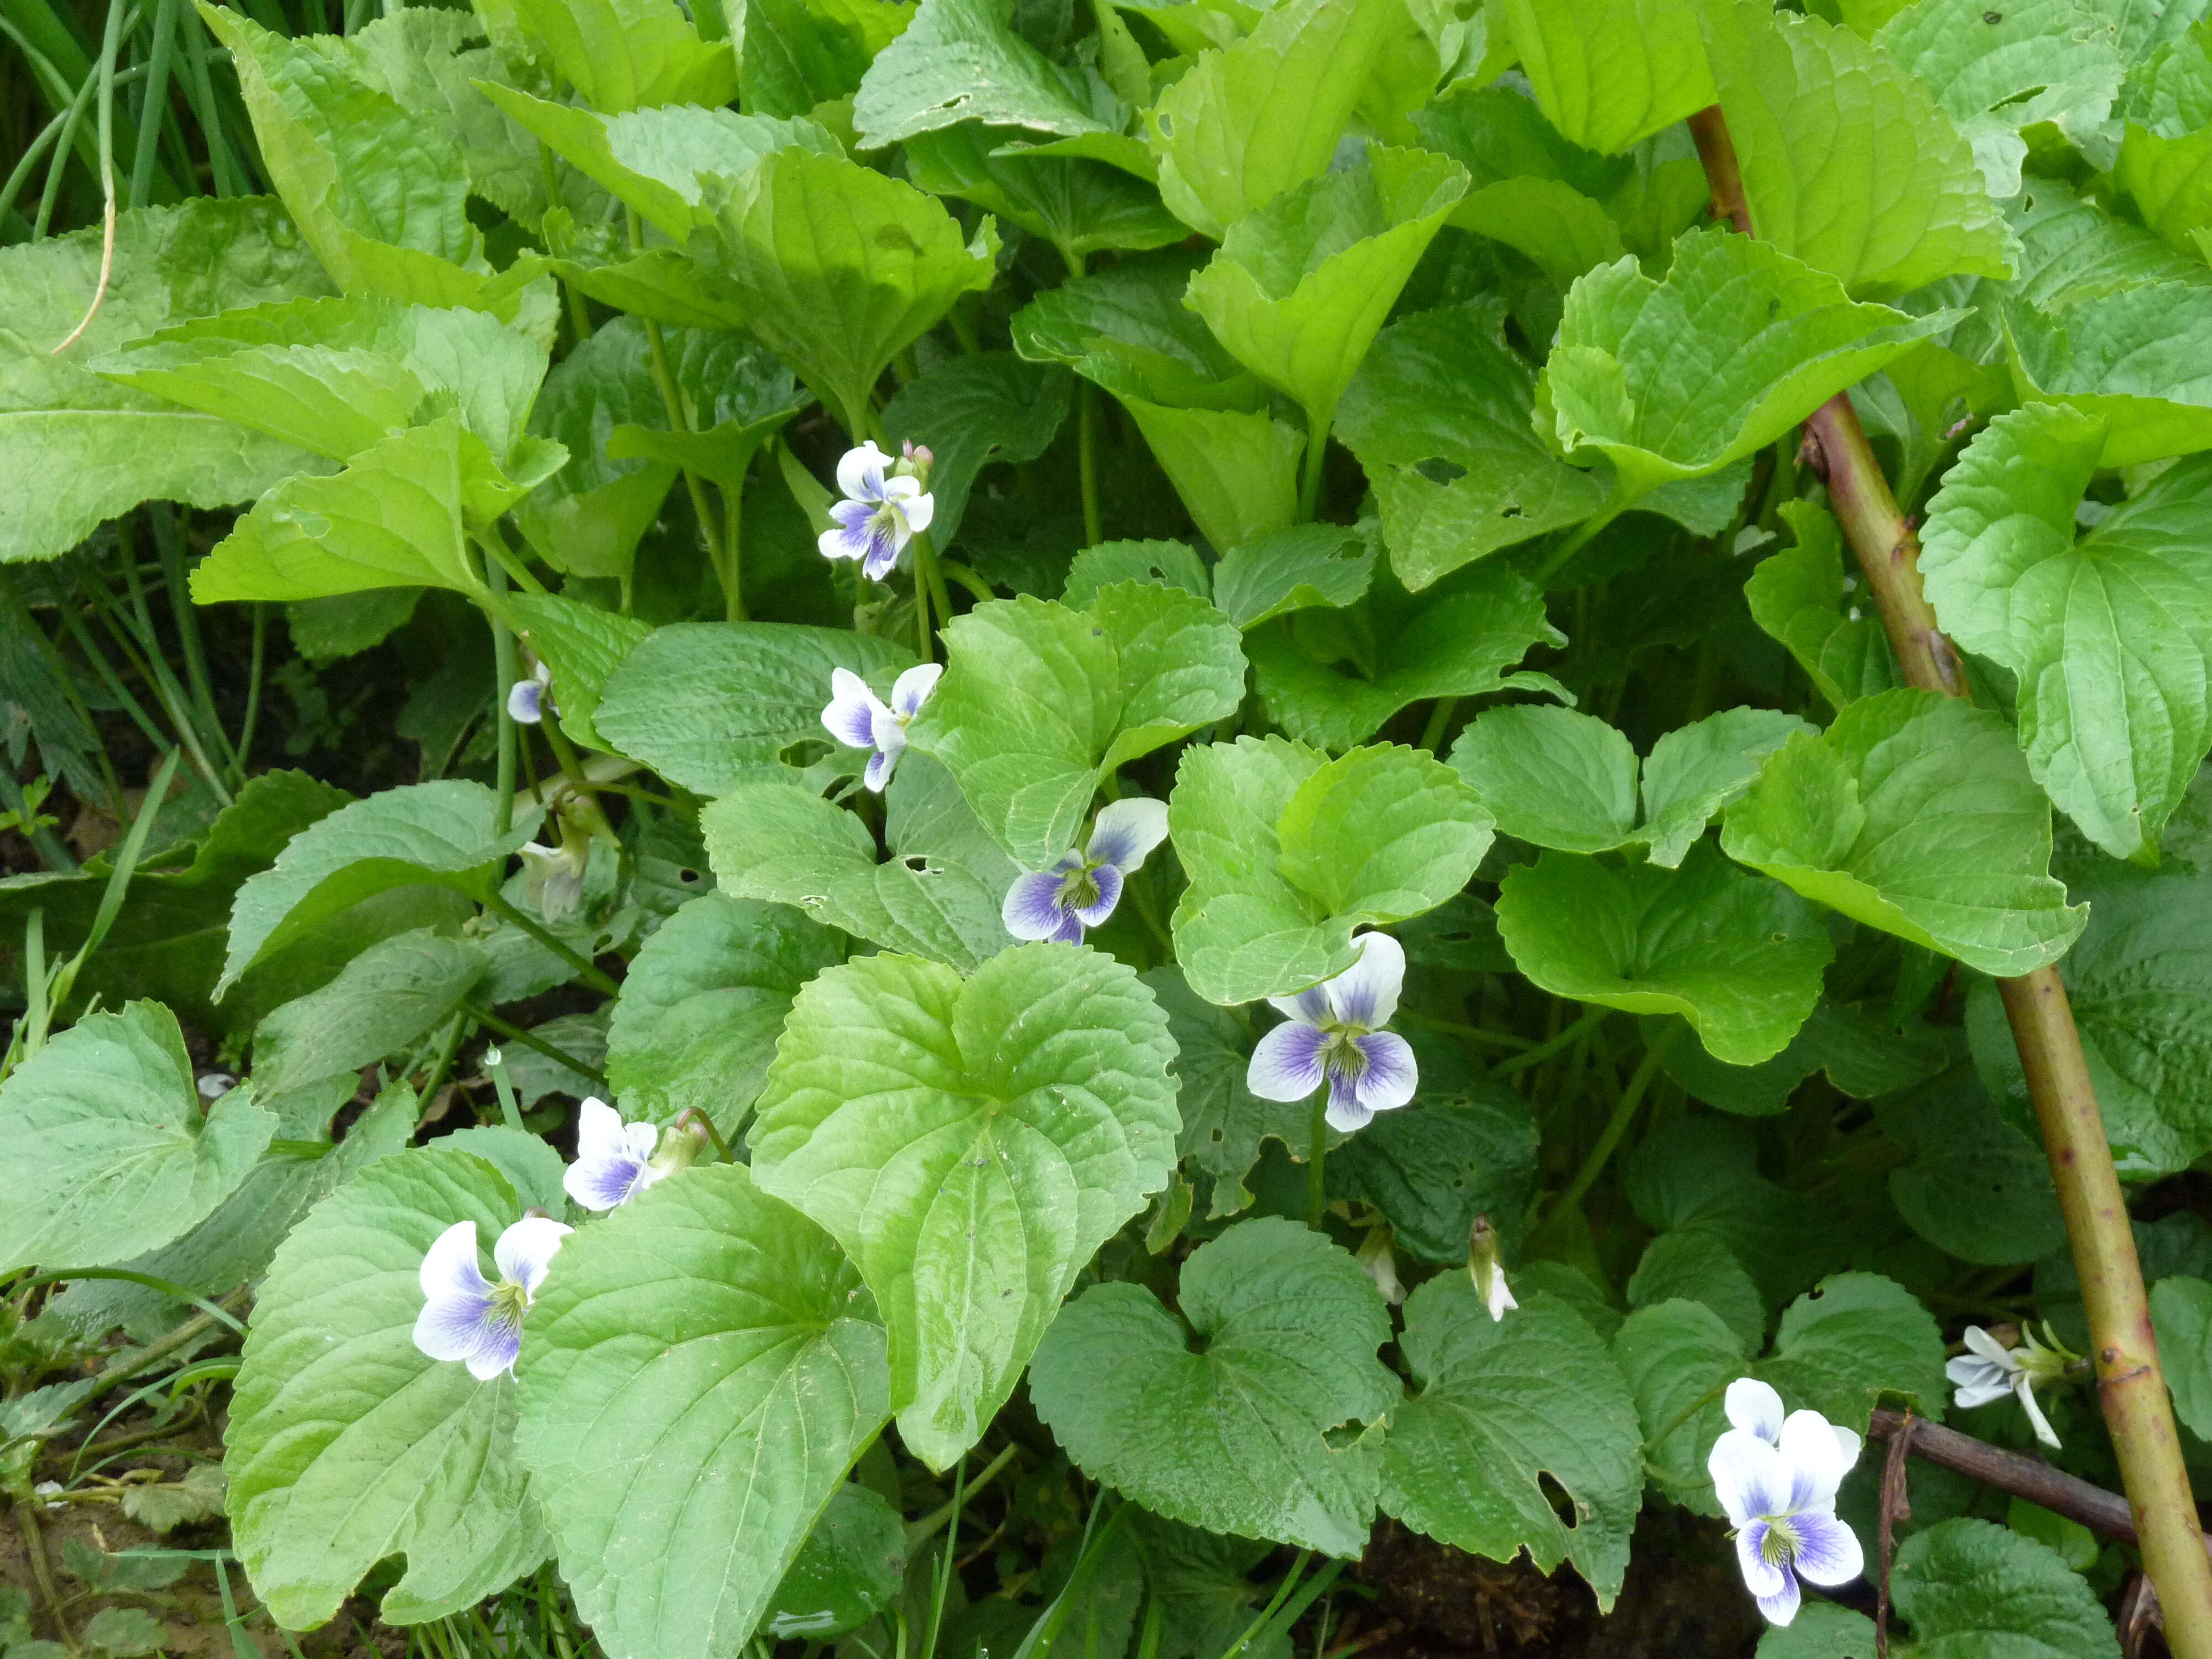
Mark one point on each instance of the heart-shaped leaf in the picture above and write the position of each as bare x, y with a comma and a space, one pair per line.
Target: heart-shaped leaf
969, 1143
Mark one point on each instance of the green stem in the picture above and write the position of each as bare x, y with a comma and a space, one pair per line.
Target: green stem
511, 1033
586, 970
1624, 1113
1590, 1020
504, 672
1579, 538
733, 567
244, 747
157, 98
1439, 718
1317, 1188
930, 1525
1317, 456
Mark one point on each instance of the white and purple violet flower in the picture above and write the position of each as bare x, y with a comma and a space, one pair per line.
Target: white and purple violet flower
1334, 1035
1082, 888
883, 509
856, 716
1777, 1477
467, 1317
529, 701
614, 1159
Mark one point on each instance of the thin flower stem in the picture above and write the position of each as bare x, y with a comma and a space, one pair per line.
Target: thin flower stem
1317, 1188
1552, 1045
2130, 1386
1317, 456
586, 970
1624, 1113
1439, 722
503, 678
1583, 535
930, 1524
509, 1032
244, 747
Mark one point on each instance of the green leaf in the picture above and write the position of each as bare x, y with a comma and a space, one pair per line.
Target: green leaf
336, 376
969, 1143
651, 159
385, 999
1040, 701
1246, 123
2136, 978
1237, 473
1915, 814
1703, 1174
1224, 1123
1972, 1589
703, 1002
103, 1150
695, 1380
621, 54
1699, 1266
1170, 564
1233, 1435
1441, 392
1333, 680
1080, 205
2136, 359
1853, 1338
1678, 1357
582, 645
1821, 1630
1126, 329
347, 1444
1554, 224
1695, 770
708, 704
436, 833
1739, 342
1501, 1405
938, 895
1301, 285
1609, 72
2053, 61
849, 1569
100, 448
1431, 1172
1738, 957
1306, 566
379, 194
972, 411
1865, 1058
958, 61
1975, 1186
793, 56
837, 268
1288, 852
1798, 597
2181, 1311
196, 1497
397, 517
2110, 637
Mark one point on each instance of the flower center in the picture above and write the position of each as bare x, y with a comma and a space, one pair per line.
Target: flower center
1341, 1056
887, 519
1078, 888
509, 1302
1780, 1543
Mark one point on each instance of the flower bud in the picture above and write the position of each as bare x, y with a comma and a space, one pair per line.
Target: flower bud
681, 1143
913, 462
1485, 1270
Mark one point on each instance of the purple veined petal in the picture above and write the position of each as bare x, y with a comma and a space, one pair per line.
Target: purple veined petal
1032, 909
1107, 880
917, 512
610, 1167
1126, 831
454, 1329
860, 473
1366, 993
1827, 1551
1782, 1606
1392, 1072
1310, 1005
1348, 1109
853, 536
1749, 1477
877, 776
1754, 1407
884, 542
526, 702
1816, 1460
851, 716
913, 688
1760, 1576
525, 1250
450, 1271
1286, 1061
501, 1344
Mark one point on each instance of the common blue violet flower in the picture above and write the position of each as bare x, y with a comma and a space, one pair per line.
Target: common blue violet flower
528, 700
1083, 888
858, 717
880, 514
1776, 1478
466, 1317
614, 1159
1334, 1035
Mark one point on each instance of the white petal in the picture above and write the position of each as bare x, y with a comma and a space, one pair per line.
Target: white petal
902, 487
454, 1329
1032, 909
1980, 1342
853, 709
598, 1131
1310, 1005
1827, 1551
450, 1272
1754, 1407
1366, 993
2044, 1431
1761, 1576
918, 511
526, 1249
1749, 1477
1126, 831
1816, 1460
913, 688
860, 473
1392, 1073
1781, 1608
1286, 1062
1501, 1299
